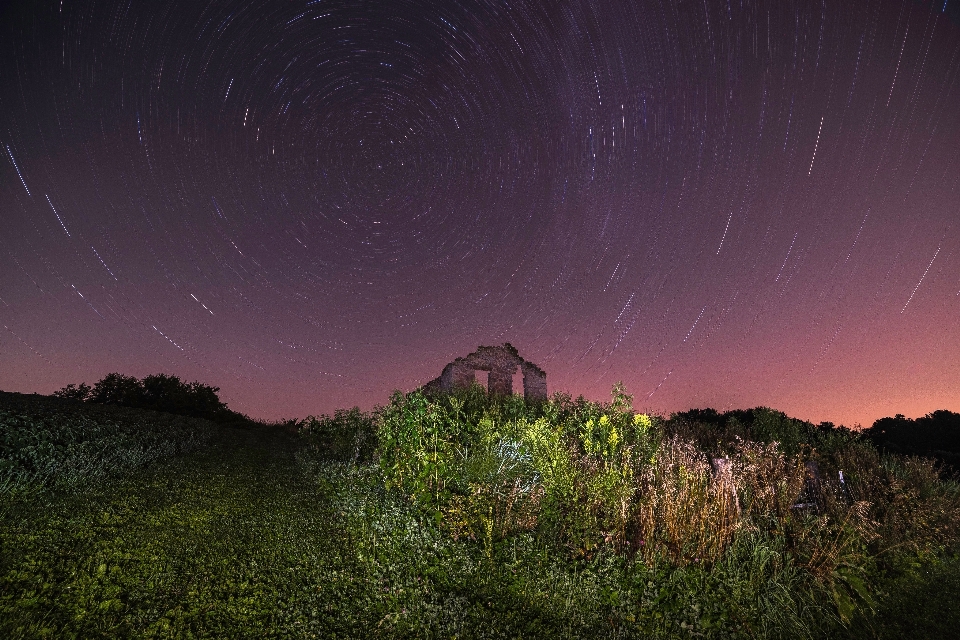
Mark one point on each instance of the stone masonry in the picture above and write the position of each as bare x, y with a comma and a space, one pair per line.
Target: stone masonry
502, 362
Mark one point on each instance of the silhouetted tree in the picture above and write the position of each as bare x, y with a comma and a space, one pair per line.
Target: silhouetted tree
159, 392
168, 393
116, 388
935, 435
74, 392
939, 430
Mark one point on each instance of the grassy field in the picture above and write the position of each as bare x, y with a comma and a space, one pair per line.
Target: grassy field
124, 523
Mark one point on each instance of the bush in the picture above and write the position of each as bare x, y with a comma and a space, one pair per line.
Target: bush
349, 435
717, 433
160, 392
586, 476
45, 441
935, 435
74, 392
116, 388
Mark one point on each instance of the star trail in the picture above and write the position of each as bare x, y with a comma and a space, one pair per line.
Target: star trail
310, 204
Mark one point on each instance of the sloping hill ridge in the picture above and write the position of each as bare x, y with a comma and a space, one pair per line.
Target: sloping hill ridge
122, 522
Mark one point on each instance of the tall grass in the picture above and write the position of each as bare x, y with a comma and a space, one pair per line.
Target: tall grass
469, 516
593, 476
50, 441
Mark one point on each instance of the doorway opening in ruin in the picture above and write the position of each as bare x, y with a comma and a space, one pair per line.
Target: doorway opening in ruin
483, 379
518, 383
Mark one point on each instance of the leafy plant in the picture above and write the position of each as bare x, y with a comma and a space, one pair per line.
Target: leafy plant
159, 392
45, 441
464, 514
349, 435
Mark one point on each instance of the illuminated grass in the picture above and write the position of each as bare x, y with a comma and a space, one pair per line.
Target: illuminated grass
52, 442
257, 535
245, 539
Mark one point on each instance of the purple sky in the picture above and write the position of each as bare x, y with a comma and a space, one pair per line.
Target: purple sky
311, 204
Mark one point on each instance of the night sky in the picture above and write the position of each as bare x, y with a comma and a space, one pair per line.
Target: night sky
310, 204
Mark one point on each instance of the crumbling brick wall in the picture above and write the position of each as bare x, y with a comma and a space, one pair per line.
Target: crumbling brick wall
534, 382
502, 362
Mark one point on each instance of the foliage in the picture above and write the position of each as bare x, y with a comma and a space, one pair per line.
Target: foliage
74, 392
563, 519
251, 539
116, 388
48, 441
590, 477
160, 392
348, 435
935, 435
717, 433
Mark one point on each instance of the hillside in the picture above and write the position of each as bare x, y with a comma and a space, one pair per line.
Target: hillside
438, 517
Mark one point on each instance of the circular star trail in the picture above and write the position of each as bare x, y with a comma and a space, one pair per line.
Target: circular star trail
310, 204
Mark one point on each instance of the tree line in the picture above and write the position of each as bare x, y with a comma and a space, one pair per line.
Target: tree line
935, 435
159, 392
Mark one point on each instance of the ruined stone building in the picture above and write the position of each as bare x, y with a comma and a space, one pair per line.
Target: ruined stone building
502, 362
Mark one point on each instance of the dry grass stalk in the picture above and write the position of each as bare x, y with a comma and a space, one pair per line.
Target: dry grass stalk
683, 510
828, 543
770, 482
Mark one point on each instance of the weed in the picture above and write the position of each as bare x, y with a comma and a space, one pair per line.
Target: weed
468, 516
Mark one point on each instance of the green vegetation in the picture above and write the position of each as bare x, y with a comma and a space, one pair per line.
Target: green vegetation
159, 392
935, 435
467, 516
61, 443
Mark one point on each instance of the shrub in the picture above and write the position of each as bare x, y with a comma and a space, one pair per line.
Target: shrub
116, 388
46, 441
160, 392
585, 476
74, 392
418, 439
935, 435
498, 494
348, 435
